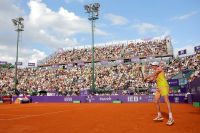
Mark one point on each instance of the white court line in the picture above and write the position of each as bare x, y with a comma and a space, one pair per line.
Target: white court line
15, 107
28, 116
12, 115
34, 105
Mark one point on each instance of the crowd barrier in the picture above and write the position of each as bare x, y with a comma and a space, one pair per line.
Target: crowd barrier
195, 90
6, 99
104, 99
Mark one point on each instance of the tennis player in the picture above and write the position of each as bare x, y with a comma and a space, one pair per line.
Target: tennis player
162, 89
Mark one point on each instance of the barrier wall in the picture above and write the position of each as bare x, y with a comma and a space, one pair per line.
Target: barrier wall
104, 99
195, 90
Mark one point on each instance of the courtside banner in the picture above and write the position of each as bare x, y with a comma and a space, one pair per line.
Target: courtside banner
182, 52
31, 64
104, 99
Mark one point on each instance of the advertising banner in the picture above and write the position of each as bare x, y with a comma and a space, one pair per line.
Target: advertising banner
173, 82
135, 59
3, 62
197, 48
182, 52
31, 64
104, 99
195, 90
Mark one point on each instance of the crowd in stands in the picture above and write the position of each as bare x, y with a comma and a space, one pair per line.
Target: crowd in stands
71, 80
146, 48
155, 47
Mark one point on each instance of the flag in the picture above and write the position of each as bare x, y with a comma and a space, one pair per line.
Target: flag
181, 52
197, 48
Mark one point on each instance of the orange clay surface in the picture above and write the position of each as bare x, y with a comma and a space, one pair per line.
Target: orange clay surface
95, 118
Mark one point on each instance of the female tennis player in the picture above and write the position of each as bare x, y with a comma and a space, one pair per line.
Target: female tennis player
162, 89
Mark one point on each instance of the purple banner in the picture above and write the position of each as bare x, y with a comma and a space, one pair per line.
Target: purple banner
70, 65
173, 82
197, 48
81, 64
55, 66
19, 63
3, 62
135, 59
84, 92
31, 64
195, 90
181, 52
119, 61
104, 99
104, 62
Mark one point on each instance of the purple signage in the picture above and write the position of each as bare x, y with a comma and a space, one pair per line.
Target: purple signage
81, 64
104, 62
55, 66
195, 90
70, 65
197, 48
135, 59
31, 64
84, 92
173, 82
181, 52
3, 62
103, 99
19, 63
119, 61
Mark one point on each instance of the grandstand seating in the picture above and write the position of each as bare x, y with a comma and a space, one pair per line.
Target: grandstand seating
112, 72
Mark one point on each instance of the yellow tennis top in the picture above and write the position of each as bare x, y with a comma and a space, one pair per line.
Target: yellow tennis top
161, 80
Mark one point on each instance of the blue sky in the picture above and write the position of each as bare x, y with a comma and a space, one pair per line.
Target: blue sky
53, 24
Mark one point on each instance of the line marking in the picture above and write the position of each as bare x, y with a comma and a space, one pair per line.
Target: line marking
34, 105
11, 114
28, 116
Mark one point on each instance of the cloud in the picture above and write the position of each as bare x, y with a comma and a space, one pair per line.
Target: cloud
43, 26
8, 11
56, 29
26, 55
116, 20
185, 16
53, 28
148, 28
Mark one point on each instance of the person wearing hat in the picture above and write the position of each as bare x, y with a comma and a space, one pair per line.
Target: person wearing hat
162, 90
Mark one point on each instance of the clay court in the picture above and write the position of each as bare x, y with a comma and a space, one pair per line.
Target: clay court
95, 118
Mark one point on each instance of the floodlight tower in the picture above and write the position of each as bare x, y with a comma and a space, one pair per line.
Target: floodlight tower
19, 25
93, 11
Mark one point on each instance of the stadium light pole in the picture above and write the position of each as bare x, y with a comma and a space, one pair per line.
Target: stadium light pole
93, 11
18, 23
